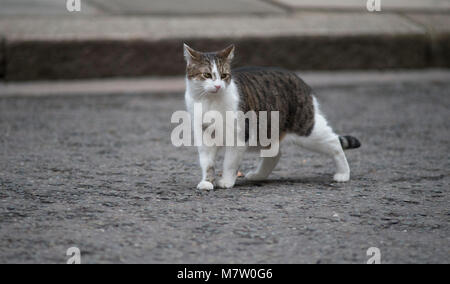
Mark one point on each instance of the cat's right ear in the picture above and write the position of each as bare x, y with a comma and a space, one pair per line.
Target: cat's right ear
190, 54
227, 53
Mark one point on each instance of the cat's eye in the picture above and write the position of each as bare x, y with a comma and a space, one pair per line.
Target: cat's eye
207, 75
224, 76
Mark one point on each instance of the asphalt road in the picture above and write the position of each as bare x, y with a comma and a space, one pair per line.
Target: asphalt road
100, 173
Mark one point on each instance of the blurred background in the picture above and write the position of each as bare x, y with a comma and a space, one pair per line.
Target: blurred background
86, 159
50, 39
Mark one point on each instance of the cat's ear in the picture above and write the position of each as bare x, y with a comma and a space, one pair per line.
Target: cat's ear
227, 53
191, 54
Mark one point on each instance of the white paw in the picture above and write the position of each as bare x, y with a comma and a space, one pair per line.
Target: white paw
341, 177
205, 185
254, 176
224, 183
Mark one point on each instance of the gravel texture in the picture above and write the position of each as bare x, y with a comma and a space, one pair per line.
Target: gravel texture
100, 173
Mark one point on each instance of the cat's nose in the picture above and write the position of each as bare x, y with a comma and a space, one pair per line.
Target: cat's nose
217, 87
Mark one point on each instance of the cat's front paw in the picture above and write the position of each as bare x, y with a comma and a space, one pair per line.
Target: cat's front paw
341, 177
254, 176
224, 183
205, 185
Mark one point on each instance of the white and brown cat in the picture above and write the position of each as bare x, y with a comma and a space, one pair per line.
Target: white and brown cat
211, 82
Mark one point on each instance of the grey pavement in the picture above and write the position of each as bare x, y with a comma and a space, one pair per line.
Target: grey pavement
43, 41
43, 8
387, 5
211, 7
100, 173
170, 85
158, 28
183, 7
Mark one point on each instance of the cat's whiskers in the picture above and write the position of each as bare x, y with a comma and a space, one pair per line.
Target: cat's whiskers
200, 92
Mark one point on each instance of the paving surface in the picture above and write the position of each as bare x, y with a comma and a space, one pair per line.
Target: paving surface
210, 7
191, 7
42, 8
100, 173
41, 40
386, 5
158, 28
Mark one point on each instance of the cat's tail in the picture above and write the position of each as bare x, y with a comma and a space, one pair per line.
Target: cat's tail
349, 142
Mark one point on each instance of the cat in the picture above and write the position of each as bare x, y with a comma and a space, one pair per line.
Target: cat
211, 82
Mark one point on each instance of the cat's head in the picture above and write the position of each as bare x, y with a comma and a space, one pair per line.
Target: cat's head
209, 72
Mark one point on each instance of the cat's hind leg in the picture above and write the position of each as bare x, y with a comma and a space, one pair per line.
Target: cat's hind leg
323, 140
265, 168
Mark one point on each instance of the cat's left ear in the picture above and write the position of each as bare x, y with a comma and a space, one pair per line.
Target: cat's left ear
227, 53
